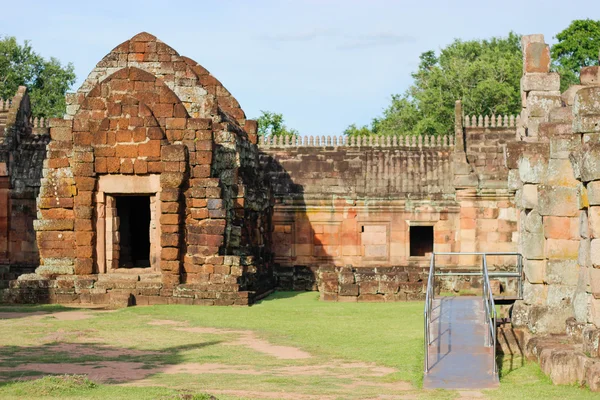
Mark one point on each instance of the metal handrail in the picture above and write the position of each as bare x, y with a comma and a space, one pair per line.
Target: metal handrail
488, 298
490, 308
429, 294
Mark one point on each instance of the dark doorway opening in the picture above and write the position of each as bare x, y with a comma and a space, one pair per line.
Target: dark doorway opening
134, 231
421, 240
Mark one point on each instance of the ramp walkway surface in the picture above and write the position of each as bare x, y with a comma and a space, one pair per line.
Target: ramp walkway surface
460, 332
458, 356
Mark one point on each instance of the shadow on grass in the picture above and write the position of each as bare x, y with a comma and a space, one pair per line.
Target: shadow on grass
280, 295
510, 354
105, 364
14, 311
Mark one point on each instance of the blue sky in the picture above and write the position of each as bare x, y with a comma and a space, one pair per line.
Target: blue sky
322, 64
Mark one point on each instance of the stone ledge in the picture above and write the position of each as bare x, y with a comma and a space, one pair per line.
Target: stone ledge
564, 362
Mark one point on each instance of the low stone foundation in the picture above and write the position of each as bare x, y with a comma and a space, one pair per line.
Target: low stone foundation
572, 357
120, 290
298, 277
564, 362
372, 284
472, 285
10, 272
399, 283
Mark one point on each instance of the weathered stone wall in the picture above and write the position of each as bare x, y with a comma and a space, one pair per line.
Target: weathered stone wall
553, 172
22, 151
553, 209
486, 149
148, 121
351, 203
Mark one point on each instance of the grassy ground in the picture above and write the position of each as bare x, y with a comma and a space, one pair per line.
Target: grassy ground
357, 351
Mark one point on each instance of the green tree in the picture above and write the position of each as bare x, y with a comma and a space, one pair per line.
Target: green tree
484, 74
364, 130
46, 80
271, 124
577, 47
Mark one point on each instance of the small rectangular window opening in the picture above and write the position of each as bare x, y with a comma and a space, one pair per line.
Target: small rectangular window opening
421, 240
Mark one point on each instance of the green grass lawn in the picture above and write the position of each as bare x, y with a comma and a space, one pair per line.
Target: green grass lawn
347, 343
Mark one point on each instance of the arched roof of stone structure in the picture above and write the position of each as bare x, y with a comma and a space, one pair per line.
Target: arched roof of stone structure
122, 87
201, 93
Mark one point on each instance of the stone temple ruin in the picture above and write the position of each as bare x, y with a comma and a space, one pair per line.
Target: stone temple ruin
155, 189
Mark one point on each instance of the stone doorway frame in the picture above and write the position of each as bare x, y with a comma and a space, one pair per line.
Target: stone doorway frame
110, 186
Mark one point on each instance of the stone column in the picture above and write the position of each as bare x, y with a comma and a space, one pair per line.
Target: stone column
540, 88
4, 213
101, 233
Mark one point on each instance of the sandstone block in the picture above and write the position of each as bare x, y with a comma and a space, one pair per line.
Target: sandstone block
582, 197
53, 225
176, 123
537, 58
532, 168
169, 219
586, 124
529, 196
59, 122
540, 82
590, 75
593, 192
562, 249
174, 152
587, 103
590, 163
594, 222
64, 134
533, 245
514, 182
583, 224
561, 227
560, 296
563, 114
557, 201
533, 222
199, 123
594, 274
584, 257
83, 266
562, 272
595, 252
568, 97
560, 173
560, 148
54, 270
171, 179
535, 270
547, 130
539, 104
534, 294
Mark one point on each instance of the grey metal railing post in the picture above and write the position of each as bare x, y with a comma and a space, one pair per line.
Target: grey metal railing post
429, 294
520, 281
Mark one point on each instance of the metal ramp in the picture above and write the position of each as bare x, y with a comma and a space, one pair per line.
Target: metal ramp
460, 334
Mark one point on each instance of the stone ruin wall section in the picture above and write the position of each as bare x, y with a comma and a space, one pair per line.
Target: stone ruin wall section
554, 173
344, 208
159, 122
22, 151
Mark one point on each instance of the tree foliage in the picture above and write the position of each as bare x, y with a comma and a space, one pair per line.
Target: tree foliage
484, 74
271, 124
577, 47
46, 80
